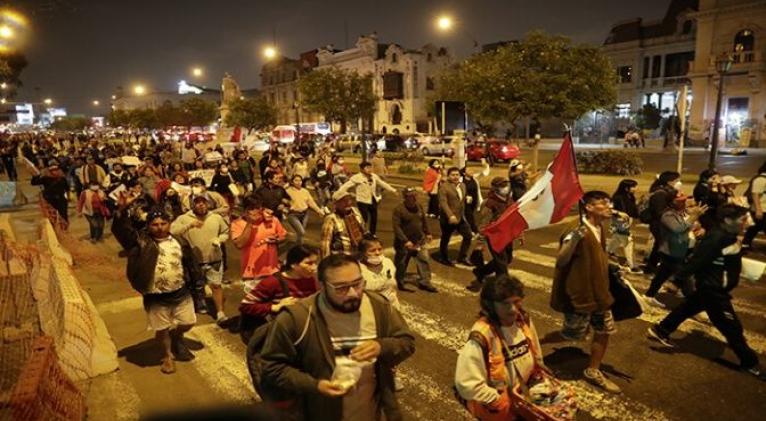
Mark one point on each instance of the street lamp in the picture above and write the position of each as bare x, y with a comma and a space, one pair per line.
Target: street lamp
3, 85
2, 101
197, 72
444, 23
722, 65
96, 103
6, 32
139, 89
270, 52
48, 101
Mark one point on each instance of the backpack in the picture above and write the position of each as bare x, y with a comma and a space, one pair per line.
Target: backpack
749, 191
254, 347
644, 210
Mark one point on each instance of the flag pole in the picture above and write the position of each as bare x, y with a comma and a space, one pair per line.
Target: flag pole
568, 135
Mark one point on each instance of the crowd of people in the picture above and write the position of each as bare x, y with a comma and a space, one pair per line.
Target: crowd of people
323, 322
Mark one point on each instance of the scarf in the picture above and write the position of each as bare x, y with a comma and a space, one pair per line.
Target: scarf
353, 228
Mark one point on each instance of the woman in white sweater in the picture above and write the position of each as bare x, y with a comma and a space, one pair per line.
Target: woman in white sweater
300, 202
378, 271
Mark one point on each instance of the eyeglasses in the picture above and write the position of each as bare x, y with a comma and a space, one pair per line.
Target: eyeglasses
357, 285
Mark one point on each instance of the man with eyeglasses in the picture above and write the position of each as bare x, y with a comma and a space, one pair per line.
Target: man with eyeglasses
350, 376
581, 284
161, 267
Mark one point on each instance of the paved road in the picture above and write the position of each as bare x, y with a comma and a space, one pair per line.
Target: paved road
695, 381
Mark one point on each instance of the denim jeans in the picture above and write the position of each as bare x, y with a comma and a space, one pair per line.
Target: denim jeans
402, 258
96, 223
297, 221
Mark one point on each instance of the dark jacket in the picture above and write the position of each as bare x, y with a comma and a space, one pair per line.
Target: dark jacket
298, 369
708, 264
272, 196
625, 202
675, 234
583, 285
409, 225
54, 188
143, 252
492, 208
450, 202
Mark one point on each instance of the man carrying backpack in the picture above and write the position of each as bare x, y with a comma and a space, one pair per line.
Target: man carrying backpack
756, 196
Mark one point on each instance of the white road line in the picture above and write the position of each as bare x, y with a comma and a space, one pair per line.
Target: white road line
434, 393
601, 406
222, 365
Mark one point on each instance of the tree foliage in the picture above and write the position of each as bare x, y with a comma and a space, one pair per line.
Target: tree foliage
189, 113
252, 114
648, 117
340, 95
11, 66
70, 123
540, 76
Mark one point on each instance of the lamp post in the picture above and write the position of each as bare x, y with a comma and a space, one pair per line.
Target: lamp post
297, 107
722, 65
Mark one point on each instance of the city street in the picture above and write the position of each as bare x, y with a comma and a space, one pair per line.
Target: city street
696, 380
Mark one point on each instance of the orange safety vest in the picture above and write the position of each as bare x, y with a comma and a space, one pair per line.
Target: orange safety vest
498, 377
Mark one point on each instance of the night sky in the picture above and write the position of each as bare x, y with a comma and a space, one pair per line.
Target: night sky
80, 50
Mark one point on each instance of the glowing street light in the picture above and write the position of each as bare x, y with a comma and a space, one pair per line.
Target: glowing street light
6, 32
48, 101
114, 97
2, 101
139, 89
96, 103
3, 85
270, 52
197, 72
444, 23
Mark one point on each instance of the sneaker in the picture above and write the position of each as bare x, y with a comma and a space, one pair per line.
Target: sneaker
757, 372
636, 271
221, 319
597, 378
200, 307
655, 335
168, 366
653, 302
398, 385
474, 286
180, 350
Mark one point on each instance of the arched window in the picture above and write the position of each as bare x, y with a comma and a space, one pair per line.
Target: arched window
687, 27
393, 58
396, 115
744, 44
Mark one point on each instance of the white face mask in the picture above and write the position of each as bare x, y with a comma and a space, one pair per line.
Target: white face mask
503, 191
196, 190
374, 260
94, 188
678, 184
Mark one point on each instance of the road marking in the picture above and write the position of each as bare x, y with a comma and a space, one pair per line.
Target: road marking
434, 393
435, 328
224, 366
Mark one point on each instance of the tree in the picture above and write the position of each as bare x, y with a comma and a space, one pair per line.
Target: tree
541, 76
252, 114
117, 118
11, 65
70, 123
168, 115
142, 118
648, 117
197, 112
339, 95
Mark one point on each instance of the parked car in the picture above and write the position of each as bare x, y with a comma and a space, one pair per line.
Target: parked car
346, 142
432, 145
493, 150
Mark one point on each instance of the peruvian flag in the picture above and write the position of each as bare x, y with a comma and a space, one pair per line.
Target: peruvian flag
547, 202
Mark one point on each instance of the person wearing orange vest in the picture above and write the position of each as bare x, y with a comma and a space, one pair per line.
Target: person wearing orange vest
502, 349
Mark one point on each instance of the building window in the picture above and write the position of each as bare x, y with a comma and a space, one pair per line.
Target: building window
622, 110
272, 98
429, 84
656, 66
625, 74
646, 67
394, 58
284, 97
744, 44
678, 64
687, 27
430, 57
393, 86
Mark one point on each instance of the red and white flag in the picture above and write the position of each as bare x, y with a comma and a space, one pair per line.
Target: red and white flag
546, 202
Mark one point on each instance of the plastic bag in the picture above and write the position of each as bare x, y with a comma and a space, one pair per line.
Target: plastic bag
347, 372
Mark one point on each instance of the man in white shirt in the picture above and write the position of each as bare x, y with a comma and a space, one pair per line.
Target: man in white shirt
366, 186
